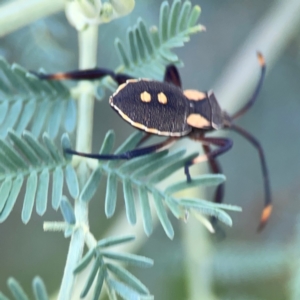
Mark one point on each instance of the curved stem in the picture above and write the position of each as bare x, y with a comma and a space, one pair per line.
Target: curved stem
87, 59
19, 13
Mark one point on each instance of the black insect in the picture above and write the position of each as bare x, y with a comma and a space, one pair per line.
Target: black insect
163, 108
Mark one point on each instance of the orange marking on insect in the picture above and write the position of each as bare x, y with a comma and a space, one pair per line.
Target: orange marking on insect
162, 98
59, 76
265, 216
194, 95
199, 159
196, 120
261, 59
145, 97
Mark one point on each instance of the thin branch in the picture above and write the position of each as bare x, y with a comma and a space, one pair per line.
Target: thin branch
19, 13
87, 59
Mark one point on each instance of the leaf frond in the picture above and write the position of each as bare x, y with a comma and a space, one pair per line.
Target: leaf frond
24, 158
29, 103
140, 178
148, 51
106, 270
38, 287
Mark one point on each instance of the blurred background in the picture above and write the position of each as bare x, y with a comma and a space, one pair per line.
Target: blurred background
244, 264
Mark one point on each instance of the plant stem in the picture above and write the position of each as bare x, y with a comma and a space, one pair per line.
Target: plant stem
198, 260
19, 13
87, 59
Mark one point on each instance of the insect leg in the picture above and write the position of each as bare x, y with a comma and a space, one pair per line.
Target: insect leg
144, 138
251, 101
268, 199
126, 155
223, 145
219, 193
215, 168
172, 75
88, 74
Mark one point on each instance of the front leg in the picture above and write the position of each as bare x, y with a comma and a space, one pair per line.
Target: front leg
223, 145
88, 74
126, 155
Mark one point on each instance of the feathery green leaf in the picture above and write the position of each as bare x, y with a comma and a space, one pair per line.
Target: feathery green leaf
129, 202
111, 195
39, 289
146, 211
72, 181
16, 289
26, 99
24, 157
128, 278
133, 259
111, 241
96, 267
85, 261
163, 216
67, 211
142, 174
42, 192
150, 50
123, 290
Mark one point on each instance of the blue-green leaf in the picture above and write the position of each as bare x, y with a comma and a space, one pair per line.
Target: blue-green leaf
115, 240
91, 278
72, 181
57, 187
202, 180
15, 190
91, 186
42, 192
128, 278
123, 290
122, 53
99, 283
31, 187
85, 261
129, 201
162, 215
146, 211
16, 289
4, 192
129, 258
39, 289
111, 195
67, 211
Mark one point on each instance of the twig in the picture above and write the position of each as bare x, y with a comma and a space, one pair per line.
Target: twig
19, 13
87, 59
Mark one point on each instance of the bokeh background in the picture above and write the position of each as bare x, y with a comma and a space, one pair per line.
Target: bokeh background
244, 264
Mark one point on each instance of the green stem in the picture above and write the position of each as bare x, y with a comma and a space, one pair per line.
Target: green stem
87, 59
19, 13
198, 260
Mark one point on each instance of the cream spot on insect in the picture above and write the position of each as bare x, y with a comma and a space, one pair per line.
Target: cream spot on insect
196, 120
194, 95
162, 98
145, 97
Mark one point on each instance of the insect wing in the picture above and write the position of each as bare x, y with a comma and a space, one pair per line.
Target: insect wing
156, 107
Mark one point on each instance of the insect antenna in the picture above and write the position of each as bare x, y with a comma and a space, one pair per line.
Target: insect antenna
268, 199
245, 108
